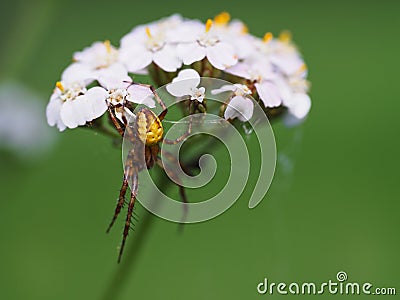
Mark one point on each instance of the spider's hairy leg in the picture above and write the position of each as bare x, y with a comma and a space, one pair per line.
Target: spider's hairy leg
128, 175
158, 99
182, 137
121, 201
134, 189
115, 121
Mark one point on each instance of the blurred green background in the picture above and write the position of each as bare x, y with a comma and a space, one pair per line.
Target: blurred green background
333, 205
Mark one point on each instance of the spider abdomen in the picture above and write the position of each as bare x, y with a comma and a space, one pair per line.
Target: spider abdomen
149, 127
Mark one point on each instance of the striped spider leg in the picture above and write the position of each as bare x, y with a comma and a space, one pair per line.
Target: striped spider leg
145, 133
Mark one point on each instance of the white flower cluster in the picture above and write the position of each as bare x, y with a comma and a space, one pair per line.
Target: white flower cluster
270, 69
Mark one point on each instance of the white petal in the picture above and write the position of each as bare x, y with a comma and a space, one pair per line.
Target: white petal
53, 112
98, 55
77, 73
269, 94
142, 72
73, 112
129, 116
242, 89
224, 88
299, 105
285, 91
113, 77
136, 37
118, 115
53, 109
141, 95
166, 59
188, 74
288, 63
190, 53
241, 69
221, 56
96, 103
243, 44
186, 32
184, 83
135, 58
239, 107
198, 94
89, 54
61, 126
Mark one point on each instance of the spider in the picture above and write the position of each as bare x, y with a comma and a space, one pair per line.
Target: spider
145, 133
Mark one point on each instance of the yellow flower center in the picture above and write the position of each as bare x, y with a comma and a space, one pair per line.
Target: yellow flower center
155, 42
285, 36
60, 86
148, 32
245, 29
302, 69
209, 23
107, 44
222, 18
267, 37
